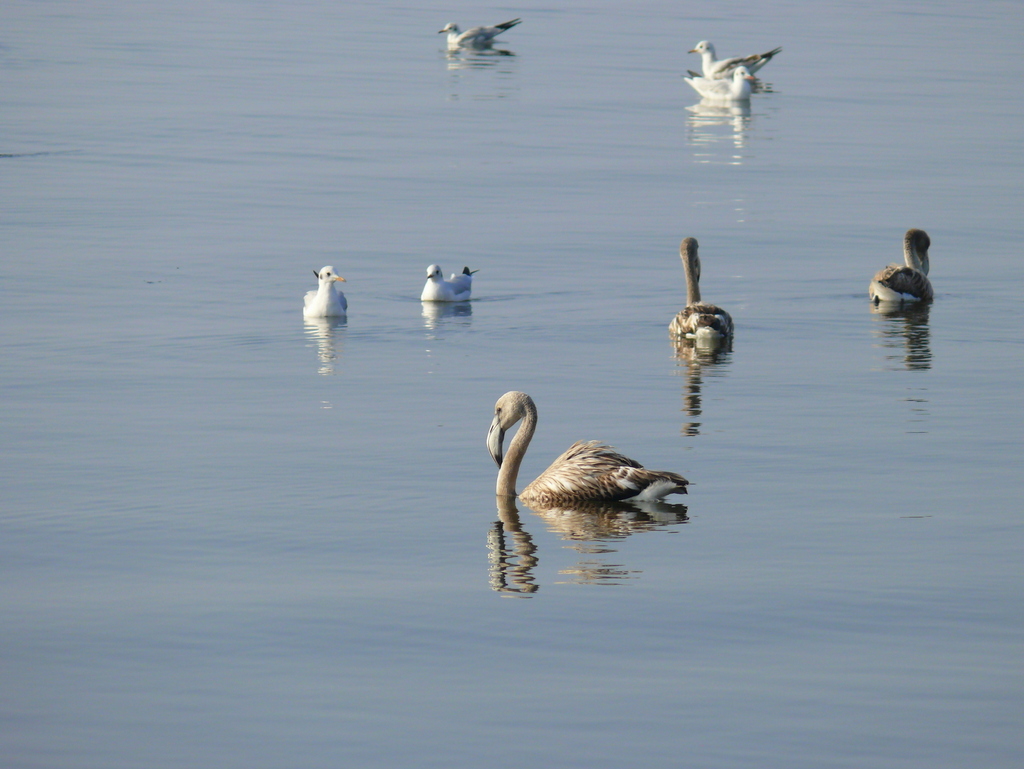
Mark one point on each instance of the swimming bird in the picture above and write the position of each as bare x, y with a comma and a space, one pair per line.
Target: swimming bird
327, 301
587, 471
737, 88
456, 289
718, 70
477, 37
705, 323
909, 283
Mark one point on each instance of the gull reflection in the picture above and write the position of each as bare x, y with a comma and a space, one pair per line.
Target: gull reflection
473, 58
587, 526
466, 78
904, 335
710, 127
436, 314
327, 335
695, 361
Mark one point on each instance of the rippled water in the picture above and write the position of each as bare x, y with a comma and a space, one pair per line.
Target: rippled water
235, 538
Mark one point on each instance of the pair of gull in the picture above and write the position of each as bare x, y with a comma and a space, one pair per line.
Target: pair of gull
590, 471
328, 302
726, 80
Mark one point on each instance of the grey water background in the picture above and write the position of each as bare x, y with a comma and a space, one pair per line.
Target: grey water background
234, 539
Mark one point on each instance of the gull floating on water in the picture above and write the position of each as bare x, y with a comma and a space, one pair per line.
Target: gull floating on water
704, 323
588, 471
718, 70
456, 289
905, 284
327, 301
477, 37
724, 91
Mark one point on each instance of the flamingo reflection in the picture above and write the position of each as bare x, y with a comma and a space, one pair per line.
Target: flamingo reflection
695, 361
587, 527
904, 334
511, 552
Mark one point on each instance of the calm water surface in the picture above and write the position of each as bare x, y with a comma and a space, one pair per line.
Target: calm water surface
233, 538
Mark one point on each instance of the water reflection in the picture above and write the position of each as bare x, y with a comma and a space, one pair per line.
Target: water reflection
905, 339
327, 335
904, 335
587, 526
695, 361
511, 553
920, 413
479, 58
718, 132
465, 67
436, 314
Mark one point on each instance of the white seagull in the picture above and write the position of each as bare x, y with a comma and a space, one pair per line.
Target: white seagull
456, 289
587, 471
718, 70
738, 88
909, 283
327, 301
477, 37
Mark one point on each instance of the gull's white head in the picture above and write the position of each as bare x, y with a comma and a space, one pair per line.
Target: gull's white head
328, 275
434, 271
451, 26
742, 73
703, 47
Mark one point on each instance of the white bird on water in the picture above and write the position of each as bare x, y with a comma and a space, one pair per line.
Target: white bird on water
719, 70
456, 289
327, 301
477, 37
909, 283
736, 89
706, 324
588, 471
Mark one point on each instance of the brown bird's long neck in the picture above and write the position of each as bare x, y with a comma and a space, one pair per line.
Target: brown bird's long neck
914, 259
692, 281
509, 471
